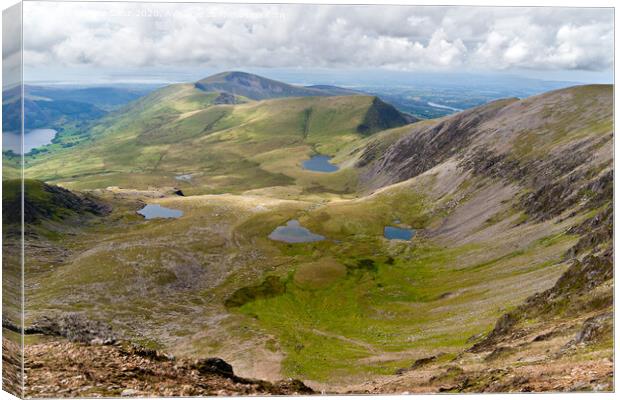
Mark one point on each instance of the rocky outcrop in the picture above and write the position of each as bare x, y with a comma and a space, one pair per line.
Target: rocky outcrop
72, 326
68, 369
419, 363
82, 357
75, 327
593, 328
214, 365
575, 291
557, 196
225, 98
594, 232
45, 202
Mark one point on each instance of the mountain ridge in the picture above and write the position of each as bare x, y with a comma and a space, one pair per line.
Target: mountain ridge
257, 87
428, 145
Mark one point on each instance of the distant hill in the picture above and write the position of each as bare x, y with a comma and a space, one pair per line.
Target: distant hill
183, 128
53, 107
259, 88
336, 90
103, 97
382, 116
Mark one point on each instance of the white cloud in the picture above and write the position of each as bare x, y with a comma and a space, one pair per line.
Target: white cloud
227, 36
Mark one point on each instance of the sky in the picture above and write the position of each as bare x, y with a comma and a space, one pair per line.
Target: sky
142, 42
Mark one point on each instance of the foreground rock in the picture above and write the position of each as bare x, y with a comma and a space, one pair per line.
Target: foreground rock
61, 368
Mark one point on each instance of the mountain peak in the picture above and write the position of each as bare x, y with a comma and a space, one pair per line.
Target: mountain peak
230, 75
258, 87
381, 116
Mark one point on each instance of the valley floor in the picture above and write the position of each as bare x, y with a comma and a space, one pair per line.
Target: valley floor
307, 329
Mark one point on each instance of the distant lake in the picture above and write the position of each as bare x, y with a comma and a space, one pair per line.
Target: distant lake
32, 139
320, 163
293, 232
395, 233
151, 211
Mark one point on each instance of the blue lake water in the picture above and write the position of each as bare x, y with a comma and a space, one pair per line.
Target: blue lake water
393, 232
32, 139
320, 163
151, 211
293, 232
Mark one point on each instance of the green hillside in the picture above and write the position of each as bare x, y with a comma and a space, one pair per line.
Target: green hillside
180, 130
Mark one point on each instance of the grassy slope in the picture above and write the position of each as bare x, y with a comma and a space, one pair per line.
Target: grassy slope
567, 124
176, 130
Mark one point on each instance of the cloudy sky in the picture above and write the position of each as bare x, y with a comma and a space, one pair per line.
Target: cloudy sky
86, 41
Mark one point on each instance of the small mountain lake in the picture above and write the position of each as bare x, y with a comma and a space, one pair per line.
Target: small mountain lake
151, 211
32, 139
293, 232
396, 233
320, 163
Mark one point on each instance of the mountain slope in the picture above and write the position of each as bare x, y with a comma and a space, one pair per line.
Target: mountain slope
381, 116
517, 131
552, 157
